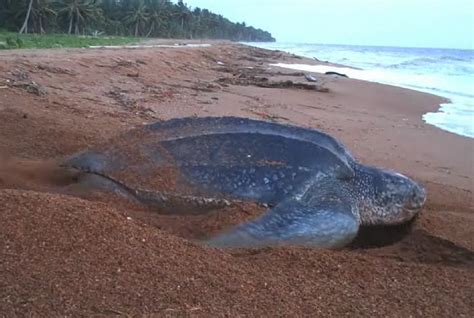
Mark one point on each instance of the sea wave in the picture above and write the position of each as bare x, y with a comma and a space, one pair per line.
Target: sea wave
441, 91
420, 62
468, 58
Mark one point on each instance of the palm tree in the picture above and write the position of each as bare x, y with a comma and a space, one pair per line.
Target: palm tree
41, 13
183, 13
78, 12
158, 15
24, 28
137, 16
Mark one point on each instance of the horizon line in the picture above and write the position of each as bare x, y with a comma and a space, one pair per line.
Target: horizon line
371, 45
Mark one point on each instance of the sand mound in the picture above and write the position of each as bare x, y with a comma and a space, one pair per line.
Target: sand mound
66, 256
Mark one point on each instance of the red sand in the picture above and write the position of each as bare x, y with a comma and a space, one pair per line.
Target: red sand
61, 255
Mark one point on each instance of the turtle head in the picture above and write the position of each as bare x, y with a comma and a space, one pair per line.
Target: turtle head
388, 197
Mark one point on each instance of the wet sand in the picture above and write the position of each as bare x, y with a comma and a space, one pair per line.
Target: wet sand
100, 255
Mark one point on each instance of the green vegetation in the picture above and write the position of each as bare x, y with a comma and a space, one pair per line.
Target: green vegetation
11, 40
94, 18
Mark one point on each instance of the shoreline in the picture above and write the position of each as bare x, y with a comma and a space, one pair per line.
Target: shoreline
97, 254
450, 116
322, 68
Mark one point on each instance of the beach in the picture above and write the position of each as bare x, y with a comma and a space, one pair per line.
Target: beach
100, 255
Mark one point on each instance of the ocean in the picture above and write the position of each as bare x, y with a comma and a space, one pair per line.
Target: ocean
444, 72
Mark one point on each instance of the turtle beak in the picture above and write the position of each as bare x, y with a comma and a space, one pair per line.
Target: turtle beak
416, 199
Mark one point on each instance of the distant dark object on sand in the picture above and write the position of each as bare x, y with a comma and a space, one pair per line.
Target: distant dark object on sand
336, 73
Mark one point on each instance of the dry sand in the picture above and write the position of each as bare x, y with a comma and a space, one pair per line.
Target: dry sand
99, 255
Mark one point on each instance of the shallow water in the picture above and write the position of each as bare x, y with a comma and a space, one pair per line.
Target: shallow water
443, 72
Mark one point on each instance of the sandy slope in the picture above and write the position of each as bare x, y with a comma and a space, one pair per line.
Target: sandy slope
65, 255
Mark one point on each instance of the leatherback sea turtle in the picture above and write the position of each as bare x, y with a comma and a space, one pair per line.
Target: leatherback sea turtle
317, 192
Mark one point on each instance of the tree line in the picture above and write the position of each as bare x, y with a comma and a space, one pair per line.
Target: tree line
141, 18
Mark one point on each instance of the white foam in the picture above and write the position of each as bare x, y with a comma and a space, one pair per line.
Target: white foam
378, 76
451, 118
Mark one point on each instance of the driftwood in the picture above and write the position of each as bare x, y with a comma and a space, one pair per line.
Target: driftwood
254, 71
310, 78
291, 84
30, 86
55, 70
21, 79
117, 62
266, 83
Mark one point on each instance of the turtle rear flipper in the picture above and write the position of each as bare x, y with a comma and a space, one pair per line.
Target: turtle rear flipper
170, 203
328, 224
167, 203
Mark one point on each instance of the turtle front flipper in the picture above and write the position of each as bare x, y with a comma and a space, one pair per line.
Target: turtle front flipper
330, 223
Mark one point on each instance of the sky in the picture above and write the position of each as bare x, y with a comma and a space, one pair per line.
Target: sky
406, 23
